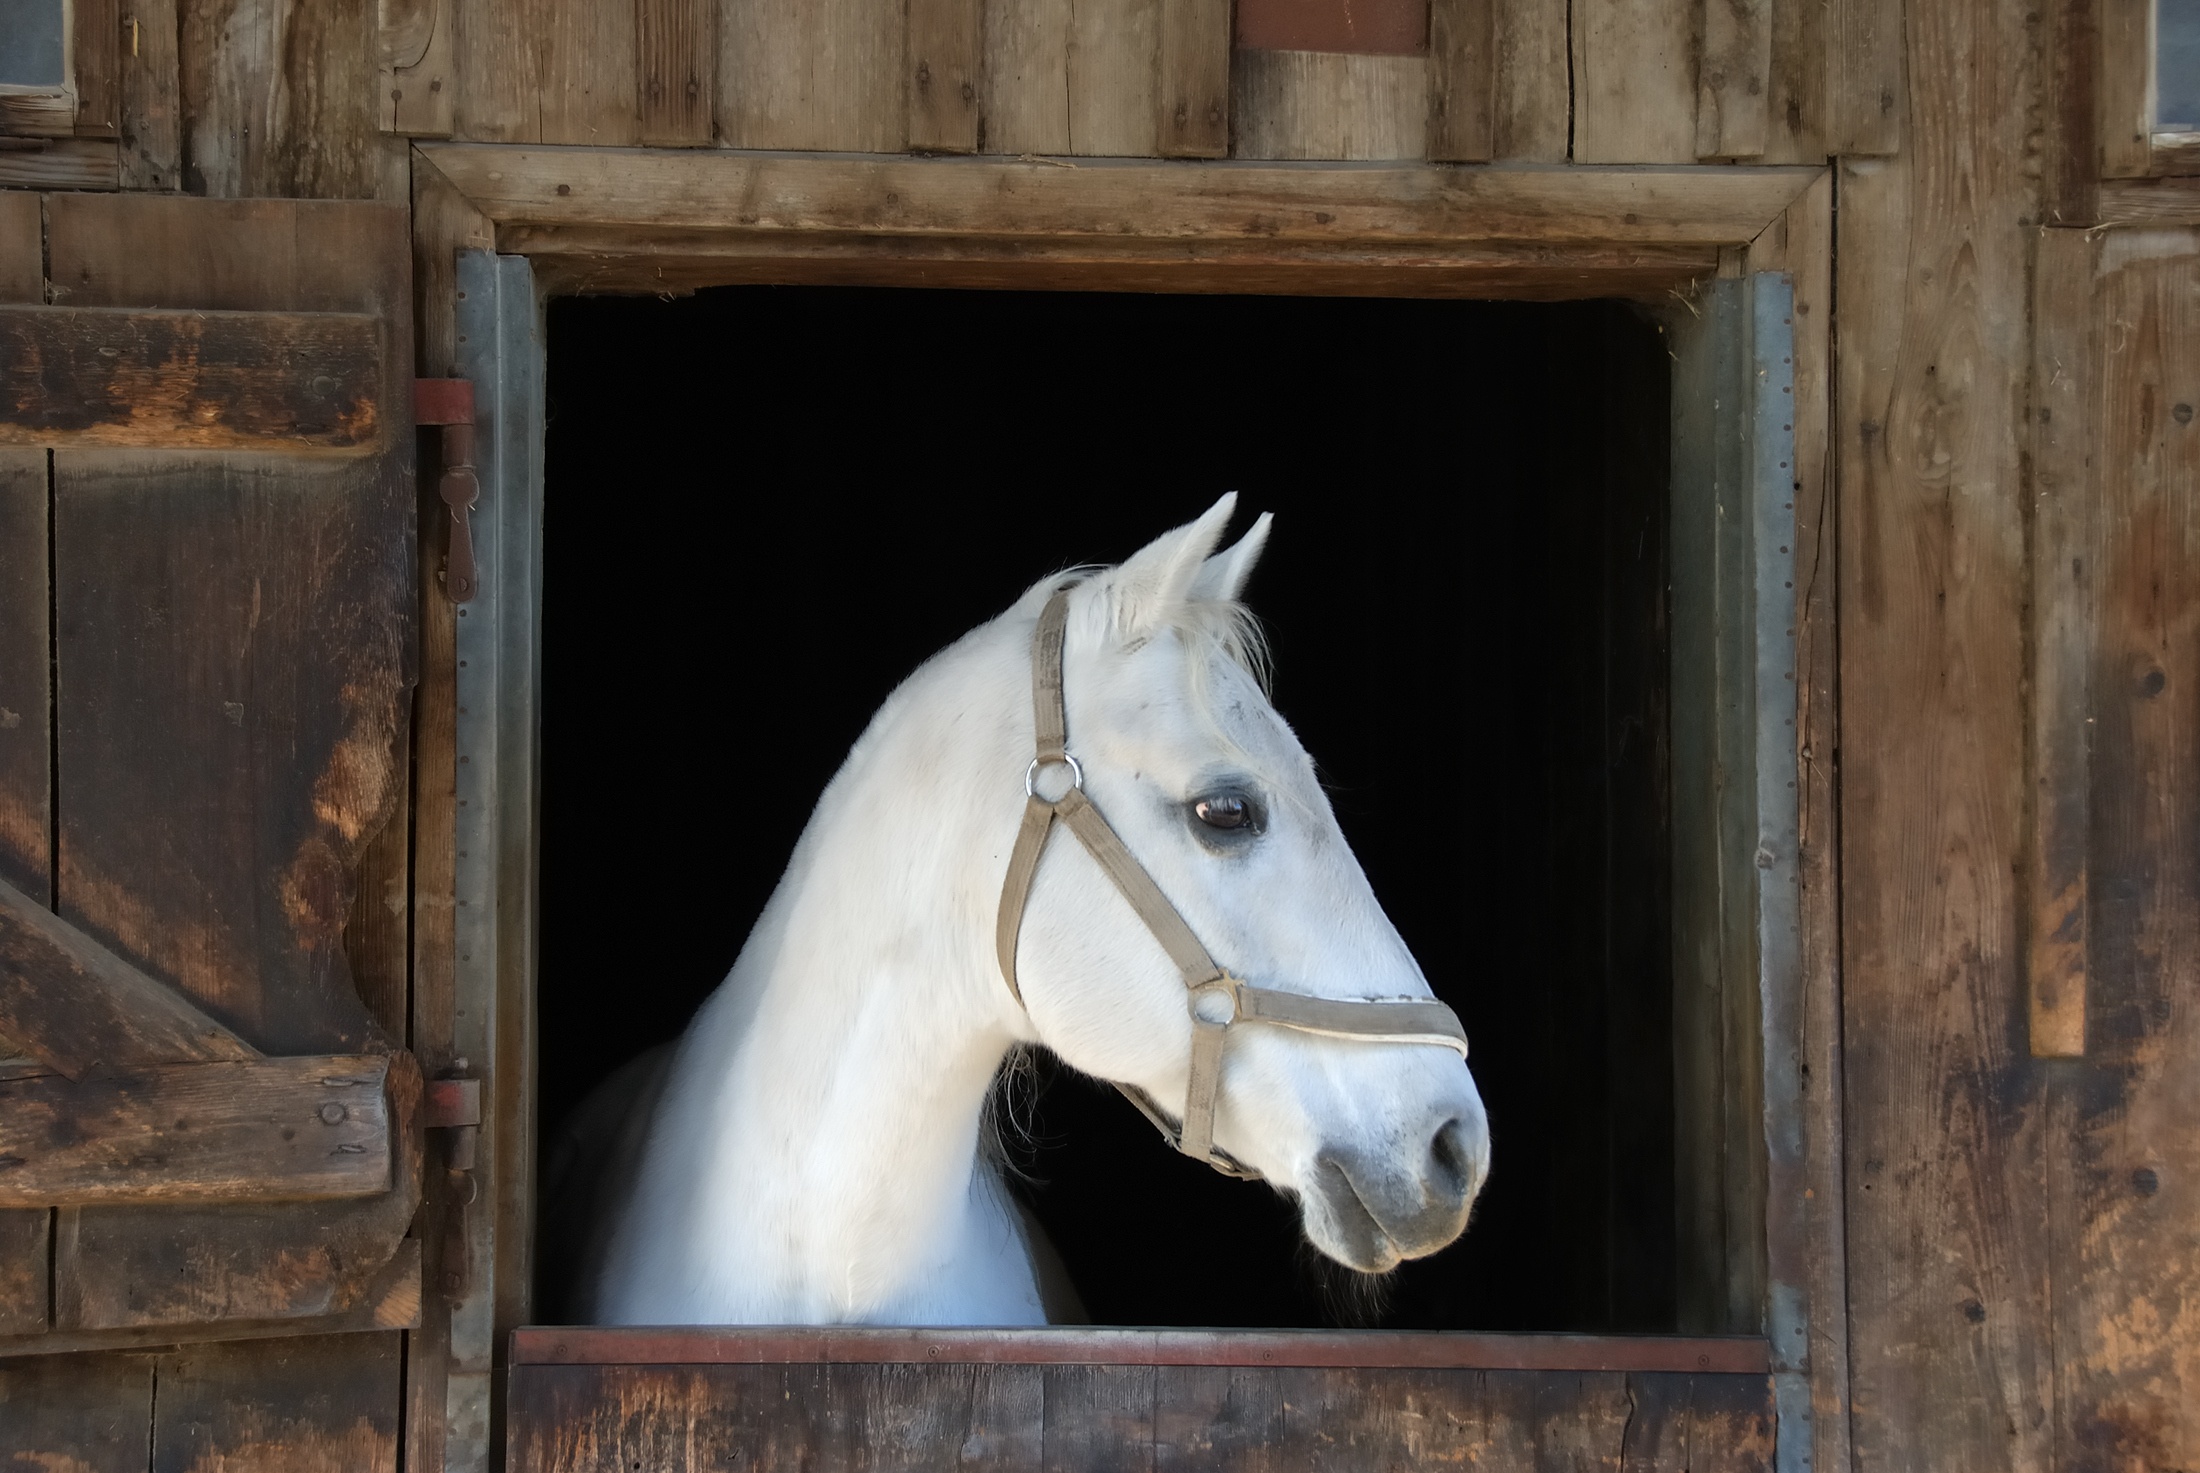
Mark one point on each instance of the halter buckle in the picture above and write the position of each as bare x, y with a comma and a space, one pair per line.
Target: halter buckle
1223, 989
1031, 775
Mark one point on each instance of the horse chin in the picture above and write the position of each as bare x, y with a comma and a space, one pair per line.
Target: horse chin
1370, 1222
1338, 1223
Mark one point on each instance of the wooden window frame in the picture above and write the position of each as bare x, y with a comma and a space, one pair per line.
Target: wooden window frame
523, 223
2132, 147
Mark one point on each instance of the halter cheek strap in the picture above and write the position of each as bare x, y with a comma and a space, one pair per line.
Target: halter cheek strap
1215, 999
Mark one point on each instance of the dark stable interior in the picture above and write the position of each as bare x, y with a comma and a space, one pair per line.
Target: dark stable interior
767, 505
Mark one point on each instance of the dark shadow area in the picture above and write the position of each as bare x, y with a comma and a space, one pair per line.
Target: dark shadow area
767, 505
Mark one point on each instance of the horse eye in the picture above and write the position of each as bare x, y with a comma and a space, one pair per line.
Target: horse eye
1225, 811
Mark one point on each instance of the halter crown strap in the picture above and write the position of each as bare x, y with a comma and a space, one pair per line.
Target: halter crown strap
1215, 998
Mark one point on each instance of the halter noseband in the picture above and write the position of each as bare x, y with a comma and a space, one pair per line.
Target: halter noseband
1215, 998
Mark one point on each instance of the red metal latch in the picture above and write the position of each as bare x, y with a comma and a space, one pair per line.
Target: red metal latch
453, 1104
449, 402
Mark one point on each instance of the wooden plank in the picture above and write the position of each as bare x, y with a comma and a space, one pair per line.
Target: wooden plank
152, 105
76, 1414
1949, 1343
279, 101
1533, 108
2172, 202
1870, 77
826, 75
26, 1248
1072, 79
64, 163
1462, 80
1634, 82
95, 58
946, 68
291, 1406
416, 45
37, 115
2064, 379
1195, 79
122, 1268
1314, 105
259, 1130
1025, 91
1361, 27
26, 696
858, 1345
391, 1300
2125, 99
2071, 183
681, 1417
1114, 201
73, 1003
73, 377
1802, 246
1800, 87
22, 249
1734, 80
2126, 1164
676, 48
2174, 153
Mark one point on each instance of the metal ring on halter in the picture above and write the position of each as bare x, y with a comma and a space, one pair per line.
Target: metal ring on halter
1031, 774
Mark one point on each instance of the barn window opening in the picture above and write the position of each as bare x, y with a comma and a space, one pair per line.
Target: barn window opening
765, 506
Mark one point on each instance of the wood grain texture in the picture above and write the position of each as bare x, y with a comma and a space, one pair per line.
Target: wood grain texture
1072, 79
417, 47
1366, 27
946, 60
1533, 106
2126, 1162
277, 99
152, 103
1734, 80
26, 695
76, 1414
1197, 79
2071, 148
74, 377
825, 75
1119, 202
1462, 80
1946, 1176
1799, 87
572, 79
37, 115
73, 1004
676, 51
2160, 202
2064, 380
22, 248
2124, 121
26, 1246
64, 163
1870, 77
1634, 82
266, 1130
1318, 105
95, 56
885, 1416
288, 1406
121, 1268
1802, 245
1026, 88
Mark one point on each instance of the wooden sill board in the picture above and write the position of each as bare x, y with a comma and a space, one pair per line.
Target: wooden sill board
848, 1345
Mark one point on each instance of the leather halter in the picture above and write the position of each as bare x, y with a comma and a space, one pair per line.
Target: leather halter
1215, 999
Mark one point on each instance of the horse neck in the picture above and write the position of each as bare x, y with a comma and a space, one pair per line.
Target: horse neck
866, 1017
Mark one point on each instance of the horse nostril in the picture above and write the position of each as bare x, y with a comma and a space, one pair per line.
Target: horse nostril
1452, 1168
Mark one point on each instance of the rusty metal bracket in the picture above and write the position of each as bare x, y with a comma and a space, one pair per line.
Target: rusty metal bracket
449, 402
453, 1104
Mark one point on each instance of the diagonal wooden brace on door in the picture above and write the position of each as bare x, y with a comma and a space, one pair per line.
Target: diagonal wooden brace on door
152, 1101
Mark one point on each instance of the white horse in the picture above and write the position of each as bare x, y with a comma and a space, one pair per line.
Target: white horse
814, 1157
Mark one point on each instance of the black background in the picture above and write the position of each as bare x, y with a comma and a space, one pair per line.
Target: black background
766, 506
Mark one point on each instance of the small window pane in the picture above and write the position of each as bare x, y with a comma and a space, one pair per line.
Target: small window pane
30, 43
2177, 64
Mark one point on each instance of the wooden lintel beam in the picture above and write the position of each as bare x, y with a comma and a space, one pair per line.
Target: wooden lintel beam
71, 1003
253, 1130
1118, 202
101, 376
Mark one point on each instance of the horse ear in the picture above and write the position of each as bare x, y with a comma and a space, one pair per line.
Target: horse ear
1222, 577
1159, 576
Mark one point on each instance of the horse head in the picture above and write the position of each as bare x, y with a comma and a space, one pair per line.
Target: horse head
1381, 1137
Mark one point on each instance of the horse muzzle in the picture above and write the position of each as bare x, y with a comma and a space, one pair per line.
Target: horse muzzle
1370, 1210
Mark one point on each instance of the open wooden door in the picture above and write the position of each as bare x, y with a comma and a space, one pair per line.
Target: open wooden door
208, 1127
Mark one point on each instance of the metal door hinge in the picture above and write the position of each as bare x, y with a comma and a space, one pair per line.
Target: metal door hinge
453, 1104
449, 402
